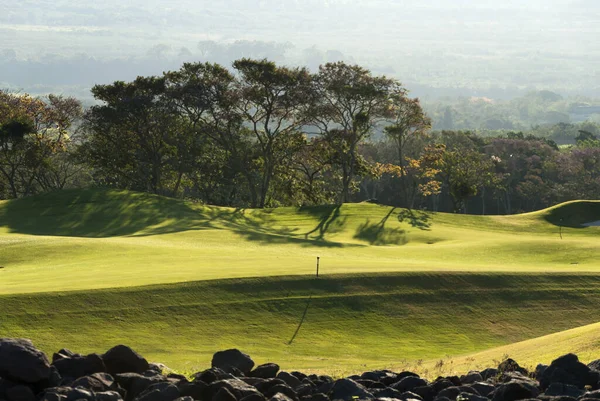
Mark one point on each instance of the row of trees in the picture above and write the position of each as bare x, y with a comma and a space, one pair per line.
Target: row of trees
264, 135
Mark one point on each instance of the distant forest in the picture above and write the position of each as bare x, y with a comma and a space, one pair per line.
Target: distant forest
261, 134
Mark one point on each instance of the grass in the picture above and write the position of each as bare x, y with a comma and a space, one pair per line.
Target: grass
77, 240
178, 281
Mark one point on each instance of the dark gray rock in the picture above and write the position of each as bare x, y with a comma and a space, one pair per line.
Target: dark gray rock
76, 366
20, 393
135, 384
594, 365
510, 365
568, 370
561, 389
186, 398
409, 395
428, 392
96, 382
315, 397
471, 377
282, 389
304, 390
63, 353
224, 394
470, 397
539, 371
80, 394
212, 375
234, 358
349, 390
387, 393
514, 390
266, 384
280, 397
441, 383
289, 379
483, 388
163, 391
254, 397
122, 359
386, 377
237, 387
20, 360
108, 396
195, 389
489, 373
592, 394
265, 371
408, 383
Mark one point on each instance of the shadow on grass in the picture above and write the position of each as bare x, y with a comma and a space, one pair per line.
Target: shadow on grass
574, 214
329, 221
379, 234
101, 213
301, 321
416, 218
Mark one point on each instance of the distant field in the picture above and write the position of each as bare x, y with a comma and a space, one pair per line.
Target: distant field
178, 281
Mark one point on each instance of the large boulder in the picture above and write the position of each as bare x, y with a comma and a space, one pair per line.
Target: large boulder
568, 370
75, 365
265, 371
561, 389
408, 383
349, 390
514, 390
20, 360
510, 365
122, 359
20, 393
233, 358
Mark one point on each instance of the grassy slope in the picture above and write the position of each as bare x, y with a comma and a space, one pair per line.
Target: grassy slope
399, 309
102, 239
350, 321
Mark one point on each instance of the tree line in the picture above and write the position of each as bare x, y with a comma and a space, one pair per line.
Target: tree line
266, 135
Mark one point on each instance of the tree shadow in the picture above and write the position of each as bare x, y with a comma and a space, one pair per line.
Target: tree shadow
329, 221
416, 218
301, 321
379, 234
574, 214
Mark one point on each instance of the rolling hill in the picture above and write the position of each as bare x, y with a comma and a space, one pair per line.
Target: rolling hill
178, 281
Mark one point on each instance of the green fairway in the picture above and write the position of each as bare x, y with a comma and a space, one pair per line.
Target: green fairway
178, 281
103, 239
334, 324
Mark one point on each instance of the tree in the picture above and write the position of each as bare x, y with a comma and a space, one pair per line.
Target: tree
348, 103
273, 101
408, 122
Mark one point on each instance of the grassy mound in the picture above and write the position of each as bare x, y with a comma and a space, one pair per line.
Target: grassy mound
336, 324
74, 240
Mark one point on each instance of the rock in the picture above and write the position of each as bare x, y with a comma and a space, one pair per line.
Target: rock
510, 365
159, 392
96, 382
471, 377
568, 370
63, 353
483, 388
470, 397
76, 366
233, 357
21, 361
539, 371
349, 390
409, 395
386, 377
212, 375
594, 365
108, 396
408, 383
265, 371
135, 384
289, 379
387, 393
428, 393
315, 397
254, 397
20, 393
282, 389
441, 383
280, 397
560, 389
592, 394
80, 394
224, 394
195, 389
514, 390
489, 373
122, 359
304, 390
237, 387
